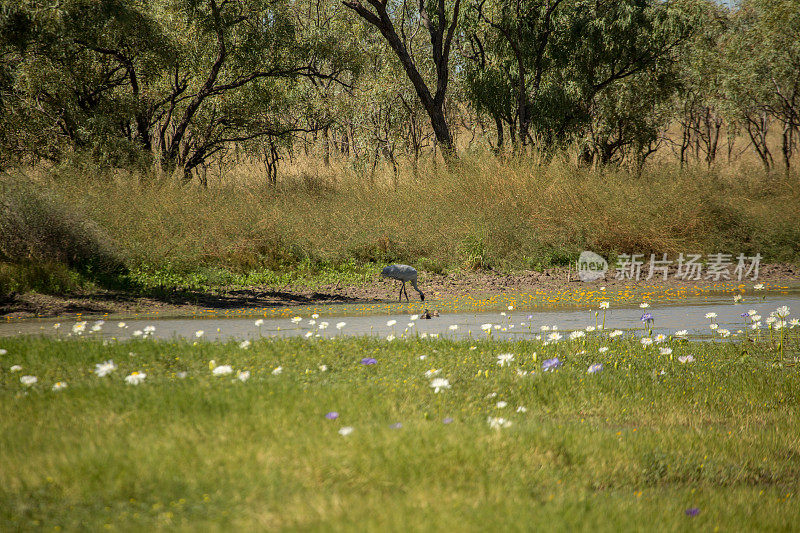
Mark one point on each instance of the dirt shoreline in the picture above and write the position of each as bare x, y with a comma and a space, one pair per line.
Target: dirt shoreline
439, 286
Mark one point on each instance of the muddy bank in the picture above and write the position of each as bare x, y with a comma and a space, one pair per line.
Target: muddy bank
438, 286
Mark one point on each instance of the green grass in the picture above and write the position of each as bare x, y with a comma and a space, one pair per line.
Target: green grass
628, 448
305, 274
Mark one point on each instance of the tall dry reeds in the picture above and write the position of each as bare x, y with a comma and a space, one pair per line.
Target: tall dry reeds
485, 212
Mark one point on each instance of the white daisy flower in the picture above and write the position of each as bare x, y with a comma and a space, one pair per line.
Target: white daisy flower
498, 422
505, 358
440, 384
222, 370
135, 378
105, 368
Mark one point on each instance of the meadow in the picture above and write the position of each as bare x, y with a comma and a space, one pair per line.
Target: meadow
590, 430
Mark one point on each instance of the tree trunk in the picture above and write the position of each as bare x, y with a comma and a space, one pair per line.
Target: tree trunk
441, 33
498, 122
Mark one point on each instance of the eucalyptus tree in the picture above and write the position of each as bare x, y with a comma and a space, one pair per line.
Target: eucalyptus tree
522, 32
763, 83
398, 24
625, 69
66, 94
562, 64
181, 79
701, 106
15, 34
489, 74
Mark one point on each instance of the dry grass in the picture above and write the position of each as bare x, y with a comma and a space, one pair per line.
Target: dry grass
41, 240
485, 212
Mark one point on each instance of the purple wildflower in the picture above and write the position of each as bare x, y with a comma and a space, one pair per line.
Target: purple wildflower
447, 420
694, 511
550, 364
647, 317
369, 361
396, 425
593, 369
745, 315
333, 415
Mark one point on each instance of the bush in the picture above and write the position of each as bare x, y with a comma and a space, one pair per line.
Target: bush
35, 229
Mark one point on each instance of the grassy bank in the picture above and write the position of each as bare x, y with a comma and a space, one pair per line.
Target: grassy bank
646, 442
332, 224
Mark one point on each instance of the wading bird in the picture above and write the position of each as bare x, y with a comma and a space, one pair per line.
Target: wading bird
403, 273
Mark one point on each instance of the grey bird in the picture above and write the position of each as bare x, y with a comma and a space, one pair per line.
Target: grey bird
403, 273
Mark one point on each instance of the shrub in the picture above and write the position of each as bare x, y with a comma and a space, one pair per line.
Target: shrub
36, 229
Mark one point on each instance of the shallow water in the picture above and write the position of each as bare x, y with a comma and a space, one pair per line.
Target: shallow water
517, 324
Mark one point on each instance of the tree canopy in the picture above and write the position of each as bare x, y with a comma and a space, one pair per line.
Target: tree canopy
177, 84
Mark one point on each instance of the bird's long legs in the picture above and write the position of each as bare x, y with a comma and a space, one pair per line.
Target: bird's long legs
403, 290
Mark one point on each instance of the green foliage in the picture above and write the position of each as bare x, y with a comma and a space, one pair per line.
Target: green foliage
593, 73
124, 80
764, 83
41, 277
190, 85
474, 250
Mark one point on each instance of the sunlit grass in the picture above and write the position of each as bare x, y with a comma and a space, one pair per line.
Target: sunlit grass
632, 446
323, 224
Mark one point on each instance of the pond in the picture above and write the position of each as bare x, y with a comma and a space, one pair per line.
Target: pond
517, 324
